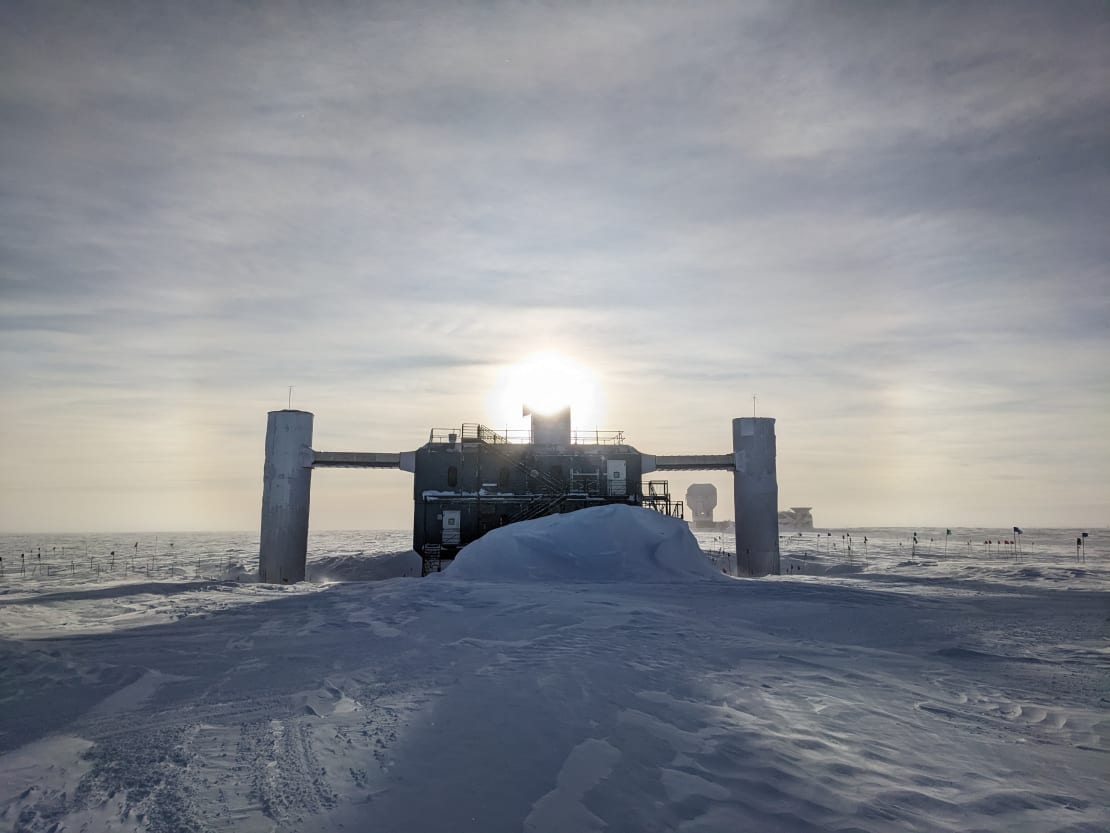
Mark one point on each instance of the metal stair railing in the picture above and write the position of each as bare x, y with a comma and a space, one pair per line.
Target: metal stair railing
546, 480
432, 562
538, 507
553, 492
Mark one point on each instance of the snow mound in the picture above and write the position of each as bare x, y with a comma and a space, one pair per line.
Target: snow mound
843, 569
238, 572
604, 543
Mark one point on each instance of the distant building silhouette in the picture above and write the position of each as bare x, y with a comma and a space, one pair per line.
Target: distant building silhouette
798, 518
701, 498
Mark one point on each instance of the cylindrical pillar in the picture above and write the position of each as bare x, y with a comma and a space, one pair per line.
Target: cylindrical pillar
756, 496
286, 481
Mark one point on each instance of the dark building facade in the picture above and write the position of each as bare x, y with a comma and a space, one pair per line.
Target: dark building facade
470, 480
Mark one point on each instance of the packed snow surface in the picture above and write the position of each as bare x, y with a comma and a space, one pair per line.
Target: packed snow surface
949, 685
605, 543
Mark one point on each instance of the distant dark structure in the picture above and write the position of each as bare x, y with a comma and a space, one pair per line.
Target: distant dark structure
702, 500
471, 479
797, 518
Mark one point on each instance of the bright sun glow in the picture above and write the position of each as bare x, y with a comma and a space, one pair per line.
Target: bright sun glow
546, 382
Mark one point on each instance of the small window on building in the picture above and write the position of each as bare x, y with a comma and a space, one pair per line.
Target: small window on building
452, 476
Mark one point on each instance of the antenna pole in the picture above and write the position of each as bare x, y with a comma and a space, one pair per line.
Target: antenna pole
754, 397
290, 397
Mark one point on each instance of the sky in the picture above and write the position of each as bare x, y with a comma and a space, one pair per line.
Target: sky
886, 220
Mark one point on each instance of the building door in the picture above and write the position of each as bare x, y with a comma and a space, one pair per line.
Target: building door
451, 518
615, 471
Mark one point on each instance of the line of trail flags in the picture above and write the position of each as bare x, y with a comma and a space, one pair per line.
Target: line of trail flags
1080, 541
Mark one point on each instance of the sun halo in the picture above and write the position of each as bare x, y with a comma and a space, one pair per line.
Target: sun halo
546, 382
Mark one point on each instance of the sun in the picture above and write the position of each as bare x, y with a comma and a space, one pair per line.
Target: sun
546, 382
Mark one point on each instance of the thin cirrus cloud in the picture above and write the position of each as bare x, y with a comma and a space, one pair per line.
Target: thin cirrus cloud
888, 221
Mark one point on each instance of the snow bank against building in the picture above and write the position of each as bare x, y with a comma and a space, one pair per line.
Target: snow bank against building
606, 543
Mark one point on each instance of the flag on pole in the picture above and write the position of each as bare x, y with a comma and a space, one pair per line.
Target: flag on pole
1018, 531
1084, 534
948, 532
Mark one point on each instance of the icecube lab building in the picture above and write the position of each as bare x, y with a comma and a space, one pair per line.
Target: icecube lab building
471, 479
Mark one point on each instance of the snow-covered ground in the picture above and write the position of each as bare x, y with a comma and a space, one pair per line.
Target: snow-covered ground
578, 673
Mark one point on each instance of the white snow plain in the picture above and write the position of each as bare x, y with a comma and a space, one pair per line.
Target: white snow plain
575, 673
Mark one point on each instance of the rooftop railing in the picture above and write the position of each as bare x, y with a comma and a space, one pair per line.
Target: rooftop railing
597, 437
475, 432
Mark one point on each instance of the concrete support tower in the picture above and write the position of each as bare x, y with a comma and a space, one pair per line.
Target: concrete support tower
756, 496
286, 480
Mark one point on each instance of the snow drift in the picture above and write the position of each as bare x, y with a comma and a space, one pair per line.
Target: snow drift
605, 543
363, 567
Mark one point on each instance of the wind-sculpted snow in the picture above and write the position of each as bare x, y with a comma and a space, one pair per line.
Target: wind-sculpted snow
606, 543
357, 567
933, 693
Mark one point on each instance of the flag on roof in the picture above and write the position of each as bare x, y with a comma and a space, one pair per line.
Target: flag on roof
948, 532
1084, 534
1018, 530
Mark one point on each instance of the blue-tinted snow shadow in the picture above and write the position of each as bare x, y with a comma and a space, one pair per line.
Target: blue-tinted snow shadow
115, 591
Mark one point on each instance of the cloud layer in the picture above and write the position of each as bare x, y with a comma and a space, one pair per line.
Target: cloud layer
888, 220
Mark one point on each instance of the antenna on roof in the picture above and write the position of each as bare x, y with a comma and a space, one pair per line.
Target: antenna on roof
754, 397
290, 397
